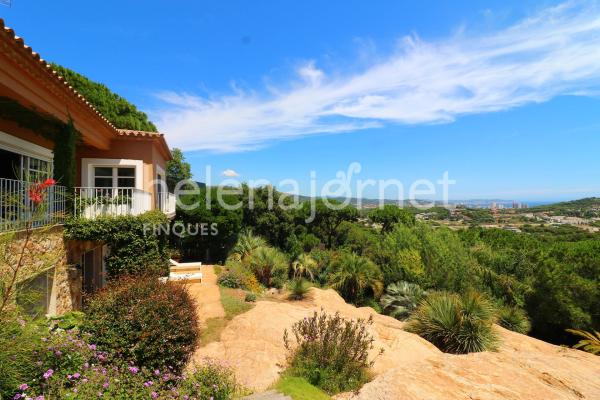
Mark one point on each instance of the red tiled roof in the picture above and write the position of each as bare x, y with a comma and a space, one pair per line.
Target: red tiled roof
10, 34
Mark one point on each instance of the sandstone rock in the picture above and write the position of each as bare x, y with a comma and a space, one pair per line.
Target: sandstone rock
410, 368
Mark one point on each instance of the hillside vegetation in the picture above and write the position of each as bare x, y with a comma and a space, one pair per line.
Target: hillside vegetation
115, 108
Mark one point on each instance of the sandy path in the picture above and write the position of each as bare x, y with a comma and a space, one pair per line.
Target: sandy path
207, 295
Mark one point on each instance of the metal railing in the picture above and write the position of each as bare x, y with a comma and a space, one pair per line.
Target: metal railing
93, 202
17, 208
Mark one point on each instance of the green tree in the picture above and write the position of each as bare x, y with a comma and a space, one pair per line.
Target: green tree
327, 218
390, 215
355, 277
177, 169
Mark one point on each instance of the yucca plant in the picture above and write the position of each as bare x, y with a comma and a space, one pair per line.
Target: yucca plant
456, 324
401, 299
590, 341
514, 319
304, 266
298, 288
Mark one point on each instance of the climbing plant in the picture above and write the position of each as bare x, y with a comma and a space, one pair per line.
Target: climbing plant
63, 134
135, 246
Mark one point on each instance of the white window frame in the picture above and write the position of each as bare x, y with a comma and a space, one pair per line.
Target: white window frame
24, 148
88, 165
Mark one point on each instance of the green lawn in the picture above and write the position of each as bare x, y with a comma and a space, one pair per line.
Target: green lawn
233, 304
300, 389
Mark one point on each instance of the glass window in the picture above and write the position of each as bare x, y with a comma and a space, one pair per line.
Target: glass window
114, 177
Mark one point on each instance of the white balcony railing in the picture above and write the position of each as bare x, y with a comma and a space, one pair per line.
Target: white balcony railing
166, 202
93, 202
17, 209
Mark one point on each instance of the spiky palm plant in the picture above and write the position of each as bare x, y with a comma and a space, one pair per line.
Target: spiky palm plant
269, 265
401, 299
246, 244
352, 275
298, 288
456, 324
515, 319
304, 266
590, 341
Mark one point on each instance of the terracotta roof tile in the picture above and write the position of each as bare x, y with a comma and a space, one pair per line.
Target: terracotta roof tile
10, 33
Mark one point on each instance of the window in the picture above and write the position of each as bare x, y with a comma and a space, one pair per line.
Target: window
114, 177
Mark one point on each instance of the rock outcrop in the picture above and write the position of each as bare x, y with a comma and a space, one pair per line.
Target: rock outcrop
410, 367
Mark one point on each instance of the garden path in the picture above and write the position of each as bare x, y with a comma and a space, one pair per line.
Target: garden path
207, 295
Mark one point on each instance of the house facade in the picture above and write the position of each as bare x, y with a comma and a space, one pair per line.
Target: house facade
48, 130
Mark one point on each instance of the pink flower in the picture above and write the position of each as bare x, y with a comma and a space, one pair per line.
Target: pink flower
48, 373
148, 383
133, 370
154, 395
24, 386
105, 385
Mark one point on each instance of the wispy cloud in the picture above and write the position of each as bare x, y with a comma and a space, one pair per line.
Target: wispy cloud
230, 173
555, 52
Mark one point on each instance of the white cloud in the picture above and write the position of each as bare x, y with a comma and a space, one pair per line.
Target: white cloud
230, 173
554, 52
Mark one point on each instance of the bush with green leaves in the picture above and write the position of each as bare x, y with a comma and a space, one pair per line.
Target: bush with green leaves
330, 352
298, 288
455, 323
142, 320
514, 319
135, 246
19, 340
250, 297
401, 299
231, 279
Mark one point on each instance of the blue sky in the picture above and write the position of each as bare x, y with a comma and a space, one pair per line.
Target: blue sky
504, 95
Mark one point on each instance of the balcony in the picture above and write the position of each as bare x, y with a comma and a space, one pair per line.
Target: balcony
93, 202
17, 209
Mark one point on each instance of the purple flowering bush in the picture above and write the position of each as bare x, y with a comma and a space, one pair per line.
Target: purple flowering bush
144, 321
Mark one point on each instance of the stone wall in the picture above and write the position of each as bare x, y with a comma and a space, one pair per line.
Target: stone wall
44, 254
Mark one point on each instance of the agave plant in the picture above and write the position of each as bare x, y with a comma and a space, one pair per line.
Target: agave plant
590, 341
401, 299
456, 324
515, 319
304, 266
246, 244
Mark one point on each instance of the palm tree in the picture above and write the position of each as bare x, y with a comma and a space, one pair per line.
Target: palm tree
401, 299
246, 244
304, 266
590, 341
353, 275
269, 265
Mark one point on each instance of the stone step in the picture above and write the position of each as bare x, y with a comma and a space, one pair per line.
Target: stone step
269, 395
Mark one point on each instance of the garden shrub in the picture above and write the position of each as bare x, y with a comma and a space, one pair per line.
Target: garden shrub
401, 299
144, 321
514, 318
231, 279
18, 342
330, 352
456, 324
134, 245
298, 288
210, 381
250, 297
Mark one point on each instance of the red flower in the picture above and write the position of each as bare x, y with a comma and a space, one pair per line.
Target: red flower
36, 190
49, 182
